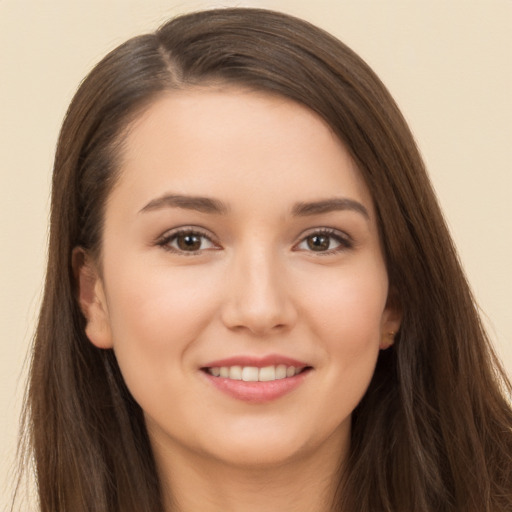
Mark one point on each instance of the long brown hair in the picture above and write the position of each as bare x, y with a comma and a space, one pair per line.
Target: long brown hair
434, 430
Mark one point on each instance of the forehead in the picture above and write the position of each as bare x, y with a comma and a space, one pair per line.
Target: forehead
235, 141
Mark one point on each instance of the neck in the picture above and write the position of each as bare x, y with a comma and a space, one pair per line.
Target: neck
193, 482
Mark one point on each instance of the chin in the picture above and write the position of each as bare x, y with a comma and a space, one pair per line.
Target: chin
260, 454
266, 446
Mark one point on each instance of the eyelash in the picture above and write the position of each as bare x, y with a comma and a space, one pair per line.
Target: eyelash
344, 241
166, 240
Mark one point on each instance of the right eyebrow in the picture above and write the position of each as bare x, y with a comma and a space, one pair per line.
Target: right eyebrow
197, 203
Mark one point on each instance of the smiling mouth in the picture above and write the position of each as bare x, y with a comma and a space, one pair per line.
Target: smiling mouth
255, 374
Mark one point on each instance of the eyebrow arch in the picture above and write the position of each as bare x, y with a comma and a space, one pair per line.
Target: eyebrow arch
198, 203
329, 205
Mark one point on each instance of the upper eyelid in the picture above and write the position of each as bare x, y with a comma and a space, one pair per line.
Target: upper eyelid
344, 239
167, 236
336, 233
326, 231
196, 230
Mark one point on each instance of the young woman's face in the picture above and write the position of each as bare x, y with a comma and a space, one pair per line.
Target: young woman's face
240, 242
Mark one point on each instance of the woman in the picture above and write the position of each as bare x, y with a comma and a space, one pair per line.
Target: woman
252, 300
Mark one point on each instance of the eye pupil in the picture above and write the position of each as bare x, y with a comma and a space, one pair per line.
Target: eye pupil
318, 242
189, 242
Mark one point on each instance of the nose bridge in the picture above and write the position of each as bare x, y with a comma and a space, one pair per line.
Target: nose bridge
258, 298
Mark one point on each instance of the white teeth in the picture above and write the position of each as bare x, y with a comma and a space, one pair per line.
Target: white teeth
235, 372
281, 371
250, 374
254, 374
267, 373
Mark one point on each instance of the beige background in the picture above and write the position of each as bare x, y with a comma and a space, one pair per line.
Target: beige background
448, 64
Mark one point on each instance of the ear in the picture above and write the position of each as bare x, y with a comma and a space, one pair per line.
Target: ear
391, 320
91, 298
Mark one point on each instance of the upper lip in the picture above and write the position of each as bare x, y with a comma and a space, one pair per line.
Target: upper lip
256, 361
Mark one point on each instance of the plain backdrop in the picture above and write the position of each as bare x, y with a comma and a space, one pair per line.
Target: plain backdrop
448, 65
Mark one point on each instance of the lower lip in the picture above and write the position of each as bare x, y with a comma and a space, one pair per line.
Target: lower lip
257, 392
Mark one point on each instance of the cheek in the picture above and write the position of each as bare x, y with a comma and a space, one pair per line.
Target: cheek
153, 300
348, 305
156, 316
346, 313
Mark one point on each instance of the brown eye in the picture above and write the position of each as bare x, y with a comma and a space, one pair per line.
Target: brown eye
186, 242
319, 242
325, 241
189, 242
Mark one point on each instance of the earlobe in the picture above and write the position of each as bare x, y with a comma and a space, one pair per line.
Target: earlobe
387, 339
91, 298
392, 320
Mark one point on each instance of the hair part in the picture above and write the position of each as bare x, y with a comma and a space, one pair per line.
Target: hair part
434, 430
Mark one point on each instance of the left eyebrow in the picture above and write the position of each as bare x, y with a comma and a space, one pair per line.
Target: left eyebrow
329, 205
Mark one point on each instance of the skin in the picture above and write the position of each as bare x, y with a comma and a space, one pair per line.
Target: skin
255, 287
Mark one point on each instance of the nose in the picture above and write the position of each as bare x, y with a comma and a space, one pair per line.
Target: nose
258, 299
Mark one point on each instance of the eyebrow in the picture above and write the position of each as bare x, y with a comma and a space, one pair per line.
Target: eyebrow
329, 205
200, 204
210, 205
